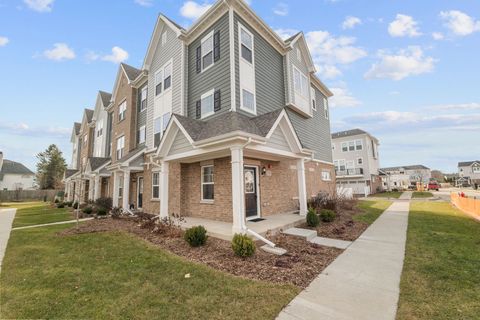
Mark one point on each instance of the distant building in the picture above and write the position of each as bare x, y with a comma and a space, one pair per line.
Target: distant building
356, 160
469, 173
402, 177
15, 176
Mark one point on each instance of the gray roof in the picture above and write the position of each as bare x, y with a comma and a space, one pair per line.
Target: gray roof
13, 167
106, 97
228, 122
70, 172
89, 113
132, 72
97, 162
467, 163
292, 37
131, 154
348, 133
77, 126
173, 22
412, 167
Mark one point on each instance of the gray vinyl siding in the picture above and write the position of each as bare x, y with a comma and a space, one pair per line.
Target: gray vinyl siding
314, 133
277, 141
215, 77
180, 144
171, 49
269, 73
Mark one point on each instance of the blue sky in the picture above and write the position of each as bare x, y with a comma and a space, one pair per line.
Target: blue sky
406, 71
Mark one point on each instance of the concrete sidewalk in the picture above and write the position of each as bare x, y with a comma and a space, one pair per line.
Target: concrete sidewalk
363, 282
52, 224
6, 220
406, 195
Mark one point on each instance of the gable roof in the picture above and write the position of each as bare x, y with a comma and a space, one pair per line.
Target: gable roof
89, 115
69, 173
76, 127
97, 162
105, 97
468, 163
13, 167
131, 72
348, 133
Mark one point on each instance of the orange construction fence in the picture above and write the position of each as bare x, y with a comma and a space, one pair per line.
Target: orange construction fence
470, 205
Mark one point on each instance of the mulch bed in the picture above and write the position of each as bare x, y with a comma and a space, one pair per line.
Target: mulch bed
302, 263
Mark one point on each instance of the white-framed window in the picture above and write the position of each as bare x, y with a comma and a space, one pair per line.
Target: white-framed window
360, 160
122, 110
339, 164
120, 187
120, 147
314, 99
207, 183
159, 127
100, 129
206, 103
164, 38
476, 169
143, 98
350, 164
246, 45
300, 82
351, 145
326, 175
141, 135
207, 51
167, 76
248, 100
325, 107
155, 185
344, 146
158, 81
358, 145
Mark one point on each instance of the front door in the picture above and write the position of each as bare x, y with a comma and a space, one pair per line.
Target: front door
140, 192
251, 192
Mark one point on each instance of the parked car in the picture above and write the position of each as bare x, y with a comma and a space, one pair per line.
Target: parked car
433, 185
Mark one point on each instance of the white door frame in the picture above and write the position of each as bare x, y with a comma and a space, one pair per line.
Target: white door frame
138, 191
257, 182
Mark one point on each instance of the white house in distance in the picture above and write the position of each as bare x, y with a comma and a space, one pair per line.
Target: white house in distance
402, 177
15, 176
356, 160
469, 172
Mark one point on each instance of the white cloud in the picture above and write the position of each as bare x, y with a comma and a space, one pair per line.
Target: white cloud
281, 9
437, 36
455, 107
406, 62
40, 5
118, 55
350, 22
193, 10
328, 71
60, 52
459, 22
144, 3
343, 98
403, 26
328, 49
285, 33
22, 128
4, 41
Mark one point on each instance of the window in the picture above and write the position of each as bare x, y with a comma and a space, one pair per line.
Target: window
164, 38
207, 183
351, 146
341, 165
358, 145
100, 129
476, 169
246, 39
326, 175
206, 103
120, 187
155, 185
143, 98
300, 82
141, 135
122, 110
248, 100
325, 107
344, 146
350, 164
167, 76
314, 101
120, 147
207, 51
158, 82
359, 160
159, 126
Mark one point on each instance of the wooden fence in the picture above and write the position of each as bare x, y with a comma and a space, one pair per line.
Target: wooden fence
27, 195
470, 205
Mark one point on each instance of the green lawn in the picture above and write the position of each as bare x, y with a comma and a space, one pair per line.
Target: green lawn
118, 276
31, 213
420, 194
441, 277
387, 194
371, 210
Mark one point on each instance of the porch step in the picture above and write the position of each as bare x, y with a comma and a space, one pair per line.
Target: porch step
275, 250
328, 242
299, 232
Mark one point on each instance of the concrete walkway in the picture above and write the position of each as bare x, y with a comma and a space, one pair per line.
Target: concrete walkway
406, 195
6, 220
52, 224
363, 282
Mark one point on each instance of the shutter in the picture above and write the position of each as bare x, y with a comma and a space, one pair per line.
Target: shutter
199, 59
216, 101
198, 109
216, 46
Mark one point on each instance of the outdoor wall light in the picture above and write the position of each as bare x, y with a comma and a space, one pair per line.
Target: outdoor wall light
264, 171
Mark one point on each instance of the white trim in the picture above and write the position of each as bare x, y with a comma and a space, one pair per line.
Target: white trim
158, 185
204, 39
231, 26
257, 180
202, 199
138, 191
203, 96
247, 64
182, 81
144, 130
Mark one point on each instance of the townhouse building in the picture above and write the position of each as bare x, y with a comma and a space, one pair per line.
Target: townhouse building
224, 121
356, 160
404, 176
468, 173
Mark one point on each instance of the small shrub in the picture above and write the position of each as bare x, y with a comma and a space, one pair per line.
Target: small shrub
60, 205
312, 218
394, 190
75, 205
101, 212
56, 201
242, 245
327, 215
69, 203
104, 203
196, 236
87, 210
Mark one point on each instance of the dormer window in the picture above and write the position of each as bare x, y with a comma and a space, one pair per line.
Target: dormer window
246, 39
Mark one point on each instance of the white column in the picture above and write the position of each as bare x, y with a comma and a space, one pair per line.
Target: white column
238, 194
164, 189
90, 188
302, 188
126, 190
115, 189
97, 187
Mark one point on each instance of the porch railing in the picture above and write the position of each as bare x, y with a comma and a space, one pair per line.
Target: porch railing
349, 172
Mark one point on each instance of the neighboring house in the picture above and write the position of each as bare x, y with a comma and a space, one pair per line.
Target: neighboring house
402, 177
469, 172
224, 121
356, 160
15, 176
